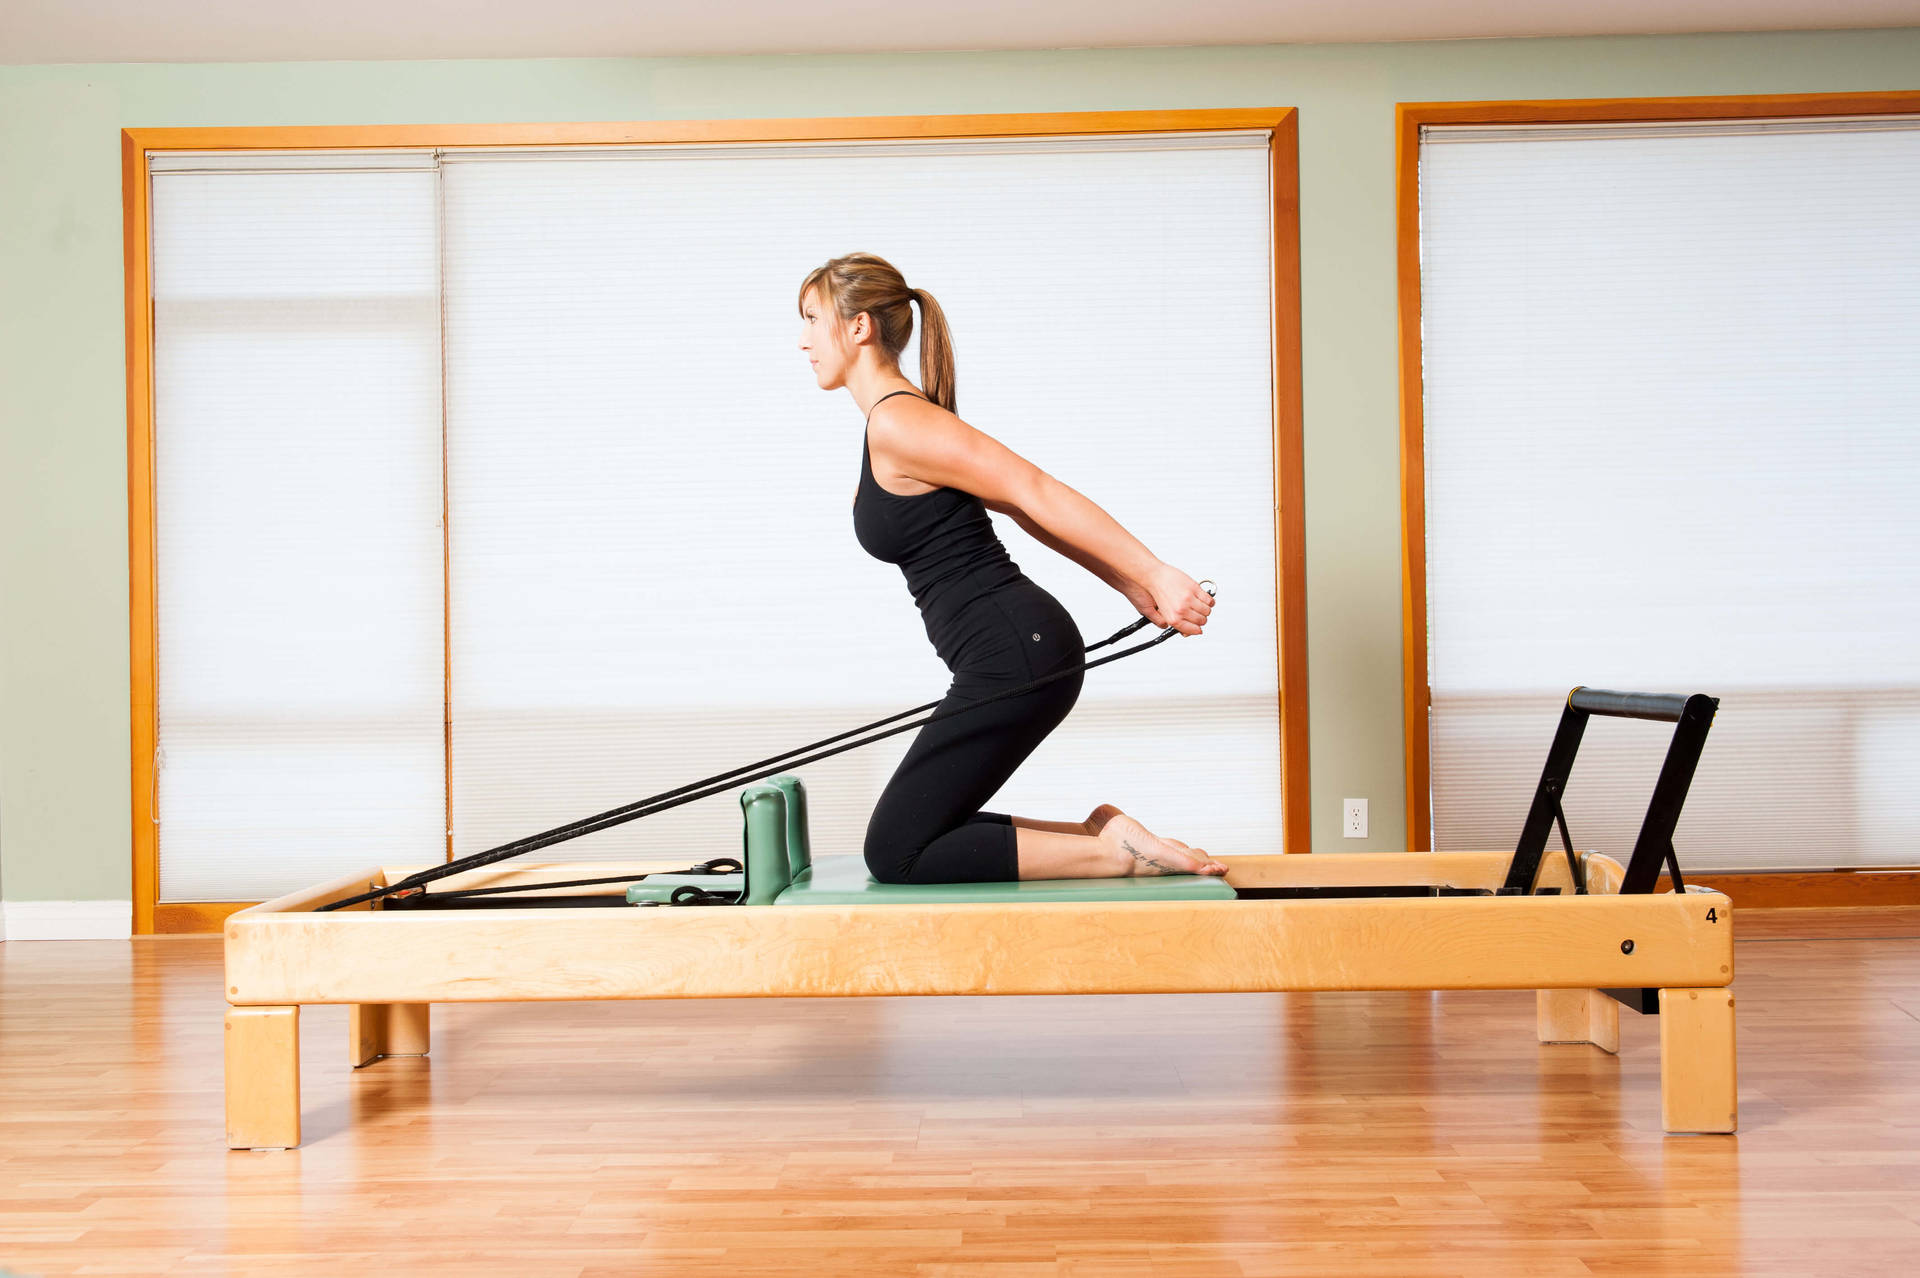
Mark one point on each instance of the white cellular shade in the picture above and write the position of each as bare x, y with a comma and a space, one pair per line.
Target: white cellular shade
654, 574
297, 541
1672, 431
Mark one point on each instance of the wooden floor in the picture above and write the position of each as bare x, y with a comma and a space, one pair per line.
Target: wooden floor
1228, 1134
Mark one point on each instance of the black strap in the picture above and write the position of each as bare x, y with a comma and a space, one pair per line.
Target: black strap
733, 777
889, 395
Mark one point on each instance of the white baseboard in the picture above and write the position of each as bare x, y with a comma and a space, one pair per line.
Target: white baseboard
66, 920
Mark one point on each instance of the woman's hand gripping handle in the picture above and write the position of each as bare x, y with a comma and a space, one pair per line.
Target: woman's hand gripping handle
1170, 599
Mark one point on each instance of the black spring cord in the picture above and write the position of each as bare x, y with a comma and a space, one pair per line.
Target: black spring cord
719, 865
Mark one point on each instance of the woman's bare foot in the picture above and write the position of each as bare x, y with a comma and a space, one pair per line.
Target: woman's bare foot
1207, 863
1138, 851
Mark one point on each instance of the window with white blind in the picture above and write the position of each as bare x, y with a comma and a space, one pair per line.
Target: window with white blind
1672, 435
651, 574
297, 545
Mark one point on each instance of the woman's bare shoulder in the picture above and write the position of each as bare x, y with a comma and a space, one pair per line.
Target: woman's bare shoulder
906, 421
932, 445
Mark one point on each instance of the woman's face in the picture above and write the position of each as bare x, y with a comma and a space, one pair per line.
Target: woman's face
823, 343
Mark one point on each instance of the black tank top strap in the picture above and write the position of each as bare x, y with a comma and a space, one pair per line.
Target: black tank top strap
889, 395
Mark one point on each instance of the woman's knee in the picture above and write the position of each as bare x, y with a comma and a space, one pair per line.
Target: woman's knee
889, 860
891, 869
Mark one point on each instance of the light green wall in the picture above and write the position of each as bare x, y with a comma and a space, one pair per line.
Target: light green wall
63, 534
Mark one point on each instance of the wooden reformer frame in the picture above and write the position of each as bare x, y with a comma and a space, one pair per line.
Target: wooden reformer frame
1580, 930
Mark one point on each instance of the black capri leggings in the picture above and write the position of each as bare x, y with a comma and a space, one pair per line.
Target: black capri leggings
928, 826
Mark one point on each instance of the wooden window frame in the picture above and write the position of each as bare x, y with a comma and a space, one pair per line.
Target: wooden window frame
1822, 888
150, 916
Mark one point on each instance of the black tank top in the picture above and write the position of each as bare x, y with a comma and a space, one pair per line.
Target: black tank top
943, 541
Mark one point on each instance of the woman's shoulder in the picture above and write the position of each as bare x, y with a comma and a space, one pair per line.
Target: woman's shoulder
900, 432
926, 443
903, 417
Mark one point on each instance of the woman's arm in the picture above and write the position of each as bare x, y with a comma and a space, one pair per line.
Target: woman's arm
1071, 523
926, 442
1047, 539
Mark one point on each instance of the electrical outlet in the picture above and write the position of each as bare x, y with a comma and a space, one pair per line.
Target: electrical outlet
1354, 824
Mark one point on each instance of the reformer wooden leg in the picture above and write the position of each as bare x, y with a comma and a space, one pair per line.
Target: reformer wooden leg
263, 1077
1578, 1016
1698, 1080
386, 1029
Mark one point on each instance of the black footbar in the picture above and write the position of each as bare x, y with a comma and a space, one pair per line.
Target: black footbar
1691, 717
1653, 849
412, 888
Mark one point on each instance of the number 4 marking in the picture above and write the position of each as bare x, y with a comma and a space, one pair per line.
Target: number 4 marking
1713, 916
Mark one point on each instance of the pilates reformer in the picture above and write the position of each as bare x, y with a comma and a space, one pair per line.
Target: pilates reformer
1586, 932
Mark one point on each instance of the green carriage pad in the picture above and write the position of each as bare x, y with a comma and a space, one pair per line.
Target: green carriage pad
781, 870
844, 880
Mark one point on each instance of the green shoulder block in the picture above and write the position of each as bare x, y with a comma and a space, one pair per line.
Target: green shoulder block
799, 846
